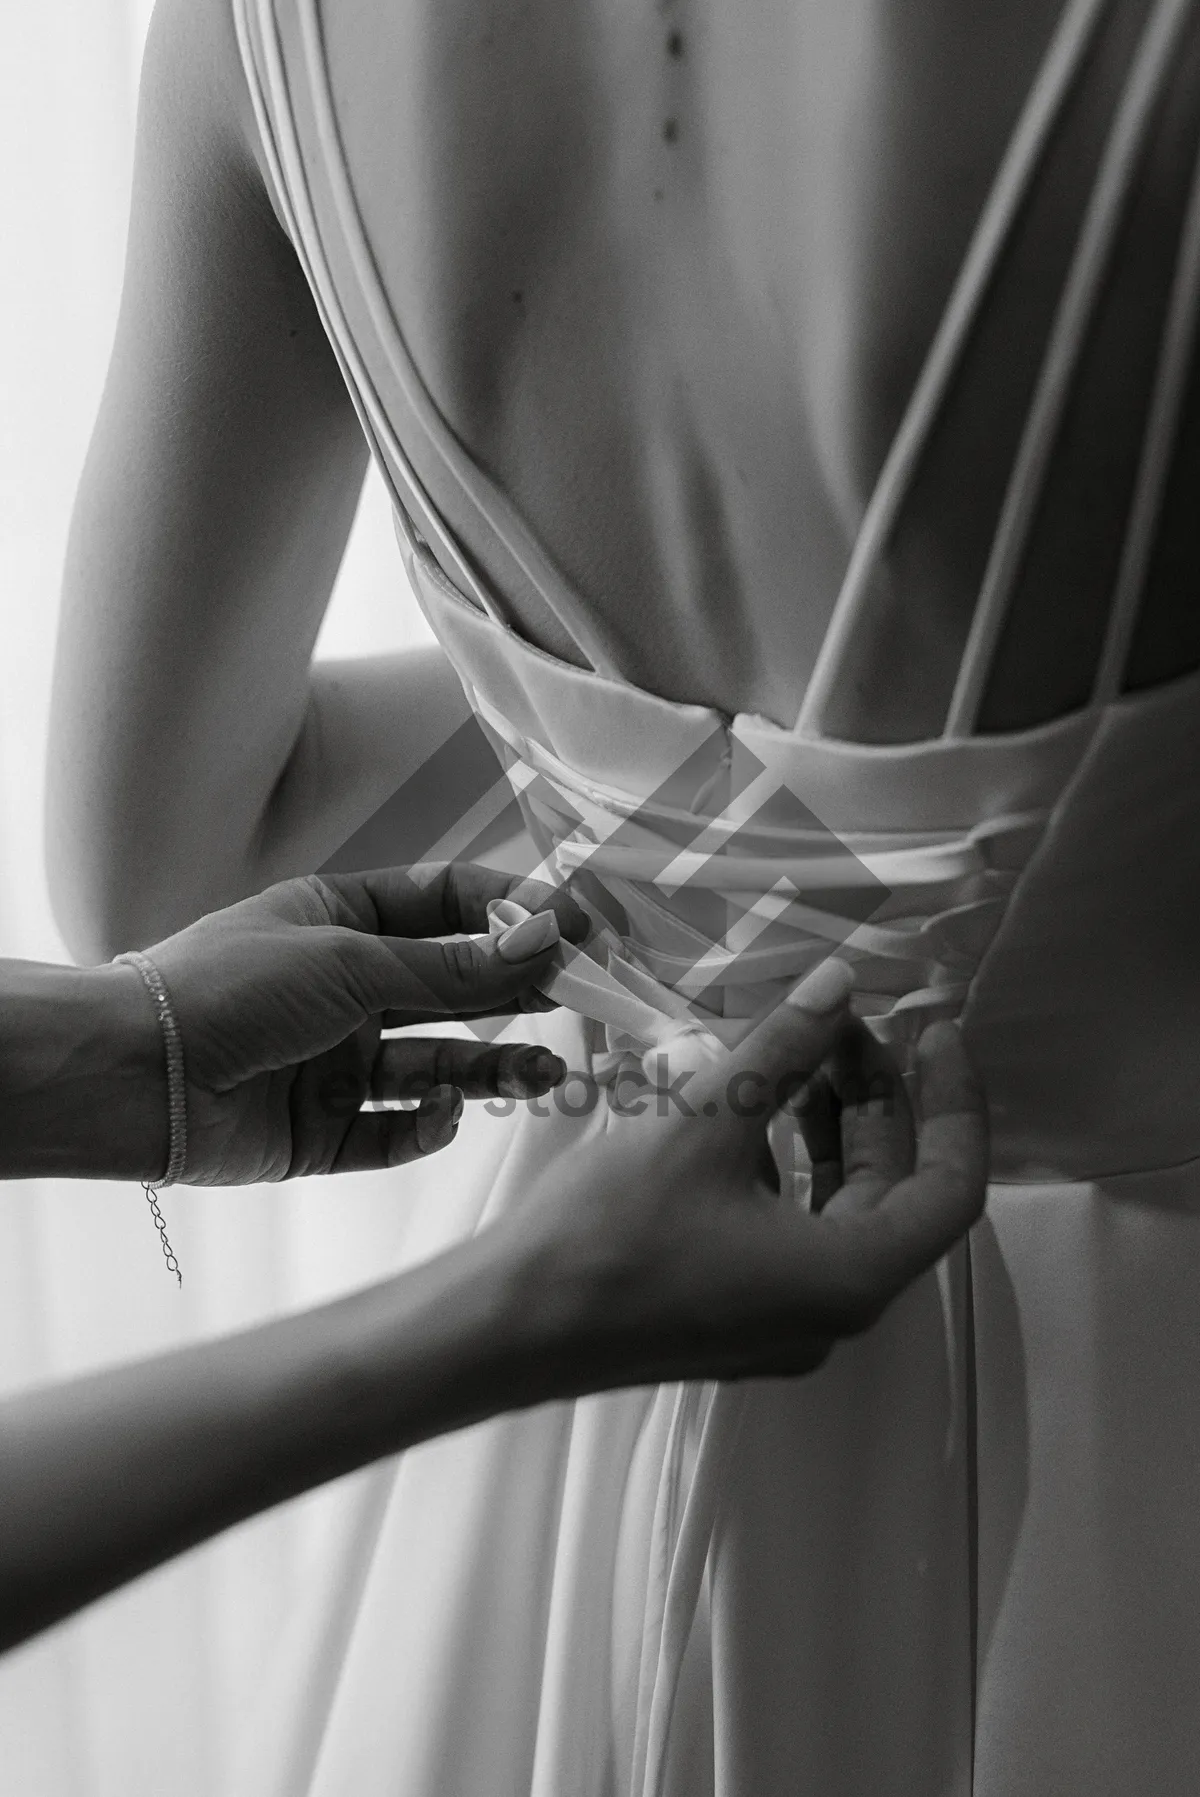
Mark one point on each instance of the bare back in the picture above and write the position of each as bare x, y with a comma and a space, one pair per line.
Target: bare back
670, 273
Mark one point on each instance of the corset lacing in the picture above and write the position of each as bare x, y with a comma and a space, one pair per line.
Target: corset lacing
941, 896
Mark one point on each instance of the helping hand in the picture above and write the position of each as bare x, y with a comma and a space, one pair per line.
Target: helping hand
281, 1000
669, 1252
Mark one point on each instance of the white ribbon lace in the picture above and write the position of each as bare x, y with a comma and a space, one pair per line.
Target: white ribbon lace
653, 986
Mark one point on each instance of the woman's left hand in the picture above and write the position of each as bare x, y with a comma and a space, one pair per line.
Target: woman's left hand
281, 1001
669, 1249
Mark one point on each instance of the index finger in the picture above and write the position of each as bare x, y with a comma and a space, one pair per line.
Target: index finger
446, 898
785, 1046
922, 1217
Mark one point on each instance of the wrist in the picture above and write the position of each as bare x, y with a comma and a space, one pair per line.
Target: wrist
440, 1346
550, 1302
593, 1309
82, 1074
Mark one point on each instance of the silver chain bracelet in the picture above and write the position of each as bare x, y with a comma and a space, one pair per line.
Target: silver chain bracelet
176, 1095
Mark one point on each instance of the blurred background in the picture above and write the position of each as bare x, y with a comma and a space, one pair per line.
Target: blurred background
140, 1697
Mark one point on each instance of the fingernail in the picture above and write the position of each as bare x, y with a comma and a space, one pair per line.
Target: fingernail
521, 941
438, 1118
538, 1067
502, 914
824, 989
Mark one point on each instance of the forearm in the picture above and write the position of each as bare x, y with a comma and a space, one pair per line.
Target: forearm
82, 1074
105, 1477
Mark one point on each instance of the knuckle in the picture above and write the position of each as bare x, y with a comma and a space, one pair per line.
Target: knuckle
310, 897
355, 960
463, 964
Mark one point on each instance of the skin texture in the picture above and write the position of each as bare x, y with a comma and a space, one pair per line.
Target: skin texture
669, 1253
670, 271
280, 1002
577, 213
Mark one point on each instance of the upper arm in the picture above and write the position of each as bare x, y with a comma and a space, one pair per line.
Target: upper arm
216, 499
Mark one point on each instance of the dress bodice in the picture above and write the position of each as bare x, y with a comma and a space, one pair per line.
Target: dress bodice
968, 868
1046, 880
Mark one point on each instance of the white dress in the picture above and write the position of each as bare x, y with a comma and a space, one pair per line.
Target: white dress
965, 1556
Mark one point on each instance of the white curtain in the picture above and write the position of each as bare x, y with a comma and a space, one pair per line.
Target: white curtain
141, 1696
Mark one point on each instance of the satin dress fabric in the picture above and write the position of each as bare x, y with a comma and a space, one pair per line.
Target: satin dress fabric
964, 1557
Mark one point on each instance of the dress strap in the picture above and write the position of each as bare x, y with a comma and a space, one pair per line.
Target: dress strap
1166, 404
1067, 338
267, 82
1060, 68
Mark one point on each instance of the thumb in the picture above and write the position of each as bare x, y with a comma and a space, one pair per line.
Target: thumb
787, 1045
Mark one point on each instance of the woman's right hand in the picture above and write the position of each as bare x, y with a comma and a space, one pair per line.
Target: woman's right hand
669, 1252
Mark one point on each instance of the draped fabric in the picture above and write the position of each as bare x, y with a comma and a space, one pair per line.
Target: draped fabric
140, 1696
962, 1557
